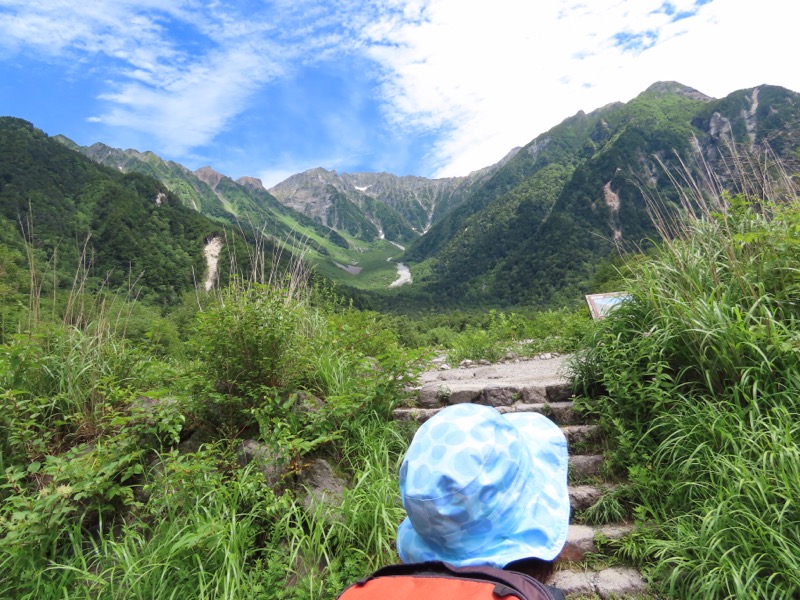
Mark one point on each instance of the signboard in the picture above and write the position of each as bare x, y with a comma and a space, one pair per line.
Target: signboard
601, 304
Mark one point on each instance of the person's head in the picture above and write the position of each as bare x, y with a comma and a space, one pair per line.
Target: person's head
482, 488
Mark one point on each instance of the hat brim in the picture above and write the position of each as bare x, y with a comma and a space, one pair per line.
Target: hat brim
543, 516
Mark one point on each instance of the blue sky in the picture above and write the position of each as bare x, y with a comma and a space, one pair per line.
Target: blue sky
424, 87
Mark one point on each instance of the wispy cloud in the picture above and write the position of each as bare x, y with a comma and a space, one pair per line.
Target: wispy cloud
178, 70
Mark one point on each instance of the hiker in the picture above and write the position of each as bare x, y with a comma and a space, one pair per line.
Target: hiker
486, 498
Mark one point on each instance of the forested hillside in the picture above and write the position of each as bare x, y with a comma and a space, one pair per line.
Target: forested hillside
127, 230
537, 230
242, 204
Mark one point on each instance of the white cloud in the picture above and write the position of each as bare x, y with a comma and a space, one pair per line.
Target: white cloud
496, 75
190, 109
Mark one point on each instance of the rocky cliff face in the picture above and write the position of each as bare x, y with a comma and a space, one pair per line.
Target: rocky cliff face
400, 207
209, 176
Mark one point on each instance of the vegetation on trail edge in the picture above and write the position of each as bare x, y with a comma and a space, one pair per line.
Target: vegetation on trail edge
696, 381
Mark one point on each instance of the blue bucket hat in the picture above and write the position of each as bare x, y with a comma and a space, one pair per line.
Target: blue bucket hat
482, 488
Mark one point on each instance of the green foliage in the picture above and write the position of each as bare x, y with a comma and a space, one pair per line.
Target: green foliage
252, 339
126, 230
540, 231
491, 334
696, 380
357, 537
66, 385
95, 502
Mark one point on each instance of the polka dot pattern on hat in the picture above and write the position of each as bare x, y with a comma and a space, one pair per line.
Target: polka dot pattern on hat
480, 488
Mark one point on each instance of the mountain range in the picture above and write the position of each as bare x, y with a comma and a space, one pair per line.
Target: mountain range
538, 228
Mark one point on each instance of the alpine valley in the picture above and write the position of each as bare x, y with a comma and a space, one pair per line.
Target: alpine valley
540, 228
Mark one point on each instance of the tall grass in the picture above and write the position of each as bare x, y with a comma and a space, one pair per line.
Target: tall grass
329, 547
697, 379
98, 500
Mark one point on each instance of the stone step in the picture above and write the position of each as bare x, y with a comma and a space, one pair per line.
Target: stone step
583, 438
580, 438
438, 394
585, 496
583, 467
561, 413
581, 539
613, 582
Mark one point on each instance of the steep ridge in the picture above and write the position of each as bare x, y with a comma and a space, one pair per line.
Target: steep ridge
244, 204
126, 229
401, 207
542, 385
535, 232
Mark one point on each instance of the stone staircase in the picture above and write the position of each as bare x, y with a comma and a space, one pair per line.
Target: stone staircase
541, 386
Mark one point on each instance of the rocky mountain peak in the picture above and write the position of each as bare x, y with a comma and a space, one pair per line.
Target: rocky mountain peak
209, 176
254, 183
664, 88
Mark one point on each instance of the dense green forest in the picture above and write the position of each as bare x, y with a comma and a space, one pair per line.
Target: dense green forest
126, 230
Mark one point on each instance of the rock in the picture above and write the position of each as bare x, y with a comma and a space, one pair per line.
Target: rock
583, 496
253, 183
583, 466
444, 367
499, 396
432, 397
271, 463
325, 489
580, 541
582, 435
418, 415
465, 364
307, 403
194, 441
573, 582
616, 582
459, 396
534, 394
558, 412
484, 363
619, 581
559, 392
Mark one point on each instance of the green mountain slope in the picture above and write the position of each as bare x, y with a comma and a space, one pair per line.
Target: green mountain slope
345, 244
536, 231
242, 204
134, 229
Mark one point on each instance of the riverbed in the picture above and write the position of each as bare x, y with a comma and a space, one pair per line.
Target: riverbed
403, 276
